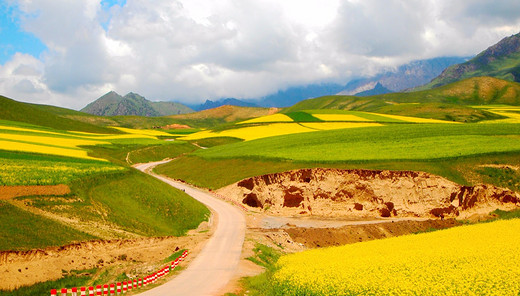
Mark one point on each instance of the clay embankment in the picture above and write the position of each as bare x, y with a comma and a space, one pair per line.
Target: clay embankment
8, 192
355, 194
22, 268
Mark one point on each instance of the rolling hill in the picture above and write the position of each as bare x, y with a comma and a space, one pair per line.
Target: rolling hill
501, 60
449, 102
47, 116
113, 104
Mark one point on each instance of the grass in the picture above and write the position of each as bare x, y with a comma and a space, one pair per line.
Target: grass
31, 114
212, 142
393, 142
300, 116
218, 173
22, 230
506, 215
262, 284
138, 203
160, 152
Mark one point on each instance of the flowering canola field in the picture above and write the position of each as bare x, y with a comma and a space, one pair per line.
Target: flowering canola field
468, 260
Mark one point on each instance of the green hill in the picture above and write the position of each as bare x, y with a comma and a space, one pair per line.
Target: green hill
112, 104
501, 60
48, 116
449, 102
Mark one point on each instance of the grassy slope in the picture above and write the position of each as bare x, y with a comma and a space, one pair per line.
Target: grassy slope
27, 113
446, 102
140, 204
160, 152
22, 230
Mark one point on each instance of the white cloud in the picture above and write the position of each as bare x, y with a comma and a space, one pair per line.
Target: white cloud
190, 50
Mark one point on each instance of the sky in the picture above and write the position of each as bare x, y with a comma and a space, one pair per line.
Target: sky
69, 53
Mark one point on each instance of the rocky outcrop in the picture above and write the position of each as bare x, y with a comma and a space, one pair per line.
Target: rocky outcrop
368, 193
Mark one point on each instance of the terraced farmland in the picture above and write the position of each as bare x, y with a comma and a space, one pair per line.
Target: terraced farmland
470, 260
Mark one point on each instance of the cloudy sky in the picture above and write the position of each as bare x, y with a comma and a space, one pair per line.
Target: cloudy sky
68, 53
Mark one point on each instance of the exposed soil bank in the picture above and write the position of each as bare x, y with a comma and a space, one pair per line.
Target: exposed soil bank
22, 268
368, 194
325, 237
8, 192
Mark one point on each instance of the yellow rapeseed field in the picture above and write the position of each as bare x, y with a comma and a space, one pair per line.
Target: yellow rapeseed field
412, 119
252, 132
145, 132
278, 117
35, 148
337, 125
339, 117
480, 259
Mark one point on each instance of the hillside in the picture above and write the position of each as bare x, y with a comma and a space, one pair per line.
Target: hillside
404, 77
221, 115
113, 104
48, 116
448, 102
501, 60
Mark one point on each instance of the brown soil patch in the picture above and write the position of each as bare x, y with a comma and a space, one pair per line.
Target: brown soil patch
325, 237
175, 126
136, 257
354, 194
8, 192
501, 166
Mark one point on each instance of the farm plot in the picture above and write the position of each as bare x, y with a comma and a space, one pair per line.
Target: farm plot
392, 142
469, 260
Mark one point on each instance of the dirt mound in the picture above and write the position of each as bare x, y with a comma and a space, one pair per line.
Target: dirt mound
367, 194
8, 192
325, 237
176, 126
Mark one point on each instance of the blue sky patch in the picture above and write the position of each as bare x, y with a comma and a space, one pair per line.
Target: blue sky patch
13, 38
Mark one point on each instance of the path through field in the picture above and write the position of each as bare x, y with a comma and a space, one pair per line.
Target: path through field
216, 264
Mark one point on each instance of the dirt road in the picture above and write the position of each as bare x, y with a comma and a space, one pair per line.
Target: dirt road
218, 261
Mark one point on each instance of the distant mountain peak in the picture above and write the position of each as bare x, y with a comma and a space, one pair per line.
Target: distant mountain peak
501, 60
113, 104
404, 77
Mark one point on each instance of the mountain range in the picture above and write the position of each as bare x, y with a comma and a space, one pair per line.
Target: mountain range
112, 104
501, 60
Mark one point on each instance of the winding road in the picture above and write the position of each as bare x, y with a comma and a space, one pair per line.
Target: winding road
218, 261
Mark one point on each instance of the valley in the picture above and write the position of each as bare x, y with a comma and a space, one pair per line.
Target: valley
354, 180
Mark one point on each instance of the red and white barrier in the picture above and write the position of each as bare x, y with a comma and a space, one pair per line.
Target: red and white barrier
121, 288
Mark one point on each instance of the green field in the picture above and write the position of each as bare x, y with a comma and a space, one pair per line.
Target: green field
392, 142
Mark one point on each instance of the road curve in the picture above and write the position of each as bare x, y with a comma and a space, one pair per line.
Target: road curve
218, 261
